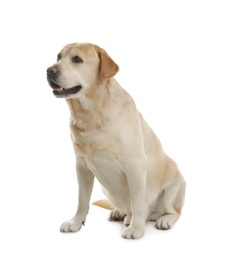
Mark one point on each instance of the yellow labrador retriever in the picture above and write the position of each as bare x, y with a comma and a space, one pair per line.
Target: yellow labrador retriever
113, 143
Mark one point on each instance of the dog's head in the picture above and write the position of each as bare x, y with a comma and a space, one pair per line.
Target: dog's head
78, 67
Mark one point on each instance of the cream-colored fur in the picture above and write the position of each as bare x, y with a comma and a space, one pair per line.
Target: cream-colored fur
113, 143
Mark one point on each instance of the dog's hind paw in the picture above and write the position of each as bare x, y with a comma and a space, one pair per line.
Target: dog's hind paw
116, 215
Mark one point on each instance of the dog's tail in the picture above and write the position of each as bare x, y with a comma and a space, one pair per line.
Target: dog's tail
103, 204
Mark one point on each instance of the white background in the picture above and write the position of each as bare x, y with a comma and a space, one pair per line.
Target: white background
173, 58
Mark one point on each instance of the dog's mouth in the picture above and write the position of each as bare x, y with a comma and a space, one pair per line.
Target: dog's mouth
59, 91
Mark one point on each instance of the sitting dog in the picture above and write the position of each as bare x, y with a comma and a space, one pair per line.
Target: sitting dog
113, 143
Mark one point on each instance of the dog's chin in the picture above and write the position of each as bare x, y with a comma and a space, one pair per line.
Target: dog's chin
66, 93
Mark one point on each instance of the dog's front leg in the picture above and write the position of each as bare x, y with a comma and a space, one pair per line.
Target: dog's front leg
85, 186
136, 178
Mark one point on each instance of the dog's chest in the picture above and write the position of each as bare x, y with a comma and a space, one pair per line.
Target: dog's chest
100, 153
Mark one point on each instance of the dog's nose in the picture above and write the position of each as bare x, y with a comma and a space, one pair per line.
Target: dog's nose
52, 70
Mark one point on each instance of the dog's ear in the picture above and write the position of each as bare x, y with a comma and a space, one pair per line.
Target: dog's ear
108, 68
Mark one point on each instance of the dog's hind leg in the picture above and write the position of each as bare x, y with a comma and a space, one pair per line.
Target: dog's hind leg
172, 203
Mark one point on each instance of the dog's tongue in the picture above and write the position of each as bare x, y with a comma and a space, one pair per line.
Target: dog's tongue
57, 88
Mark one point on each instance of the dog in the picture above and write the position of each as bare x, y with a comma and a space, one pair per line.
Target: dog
113, 143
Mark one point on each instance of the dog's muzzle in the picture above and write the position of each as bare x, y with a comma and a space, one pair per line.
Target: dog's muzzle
58, 91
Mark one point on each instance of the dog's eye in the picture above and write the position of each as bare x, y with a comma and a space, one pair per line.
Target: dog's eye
58, 57
77, 59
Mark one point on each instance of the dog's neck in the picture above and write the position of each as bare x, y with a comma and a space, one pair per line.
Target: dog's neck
101, 105
88, 110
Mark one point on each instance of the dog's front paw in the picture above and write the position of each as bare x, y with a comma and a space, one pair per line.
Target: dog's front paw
132, 233
71, 226
166, 222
